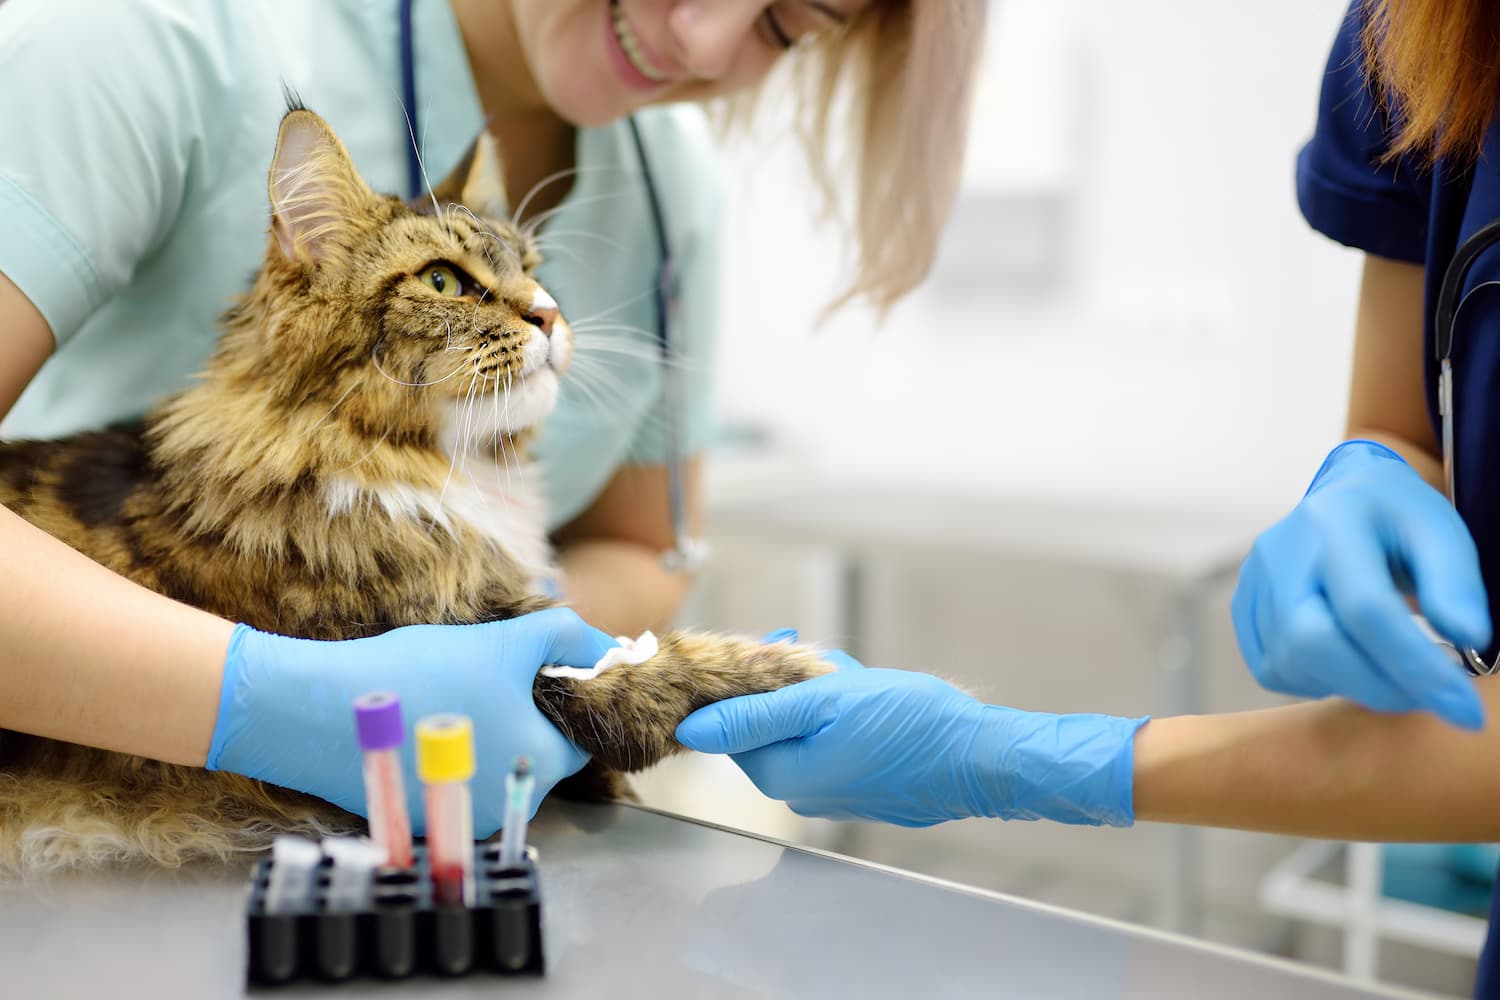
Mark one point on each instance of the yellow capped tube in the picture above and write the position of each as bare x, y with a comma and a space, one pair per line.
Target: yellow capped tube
445, 763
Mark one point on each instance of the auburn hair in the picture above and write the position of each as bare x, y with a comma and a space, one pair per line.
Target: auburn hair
1437, 63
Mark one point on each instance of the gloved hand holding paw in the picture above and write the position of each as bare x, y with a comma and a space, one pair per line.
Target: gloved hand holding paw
909, 749
286, 708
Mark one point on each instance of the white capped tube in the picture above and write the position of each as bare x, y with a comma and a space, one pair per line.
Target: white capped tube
293, 862
351, 880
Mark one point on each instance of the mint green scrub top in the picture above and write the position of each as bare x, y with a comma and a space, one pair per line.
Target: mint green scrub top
137, 135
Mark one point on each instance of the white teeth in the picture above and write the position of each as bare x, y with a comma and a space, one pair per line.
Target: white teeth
632, 47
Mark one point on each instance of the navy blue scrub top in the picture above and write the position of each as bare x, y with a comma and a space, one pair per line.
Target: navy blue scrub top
1409, 210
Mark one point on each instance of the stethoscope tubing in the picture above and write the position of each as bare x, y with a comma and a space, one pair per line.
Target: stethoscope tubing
1446, 309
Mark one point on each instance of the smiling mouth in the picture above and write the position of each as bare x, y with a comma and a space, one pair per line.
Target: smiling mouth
632, 48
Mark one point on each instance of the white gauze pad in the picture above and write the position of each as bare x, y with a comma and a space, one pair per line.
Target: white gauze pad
628, 651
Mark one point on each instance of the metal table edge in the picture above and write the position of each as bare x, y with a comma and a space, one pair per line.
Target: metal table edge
1138, 930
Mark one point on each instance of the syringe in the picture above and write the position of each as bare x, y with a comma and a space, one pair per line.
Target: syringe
290, 884
377, 716
445, 763
519, 784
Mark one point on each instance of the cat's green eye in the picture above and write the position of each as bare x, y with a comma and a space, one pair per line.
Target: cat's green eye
443, 280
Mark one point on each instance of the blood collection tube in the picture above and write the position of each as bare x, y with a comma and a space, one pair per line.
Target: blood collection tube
351, 877
293, 862
377, 716
519, 784
445, 763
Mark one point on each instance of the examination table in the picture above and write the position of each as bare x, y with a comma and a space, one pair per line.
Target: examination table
639, 903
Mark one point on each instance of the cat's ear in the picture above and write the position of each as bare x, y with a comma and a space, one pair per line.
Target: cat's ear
476, 182
315, 190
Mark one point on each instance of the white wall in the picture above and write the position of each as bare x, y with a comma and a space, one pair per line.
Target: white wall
1195, 345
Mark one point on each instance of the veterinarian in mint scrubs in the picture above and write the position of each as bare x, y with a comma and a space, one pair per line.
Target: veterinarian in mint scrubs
133, 206
1320, 607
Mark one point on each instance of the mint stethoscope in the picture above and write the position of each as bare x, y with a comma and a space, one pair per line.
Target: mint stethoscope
1449, 304
687, 552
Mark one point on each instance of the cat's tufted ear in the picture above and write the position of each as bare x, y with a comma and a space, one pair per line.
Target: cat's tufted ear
315, 189
476, 182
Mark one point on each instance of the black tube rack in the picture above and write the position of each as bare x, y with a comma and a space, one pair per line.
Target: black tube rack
403, 932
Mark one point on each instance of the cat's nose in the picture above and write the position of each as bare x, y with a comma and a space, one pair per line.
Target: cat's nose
542, 312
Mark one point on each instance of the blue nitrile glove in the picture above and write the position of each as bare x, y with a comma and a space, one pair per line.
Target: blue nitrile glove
1319, 608
286, 712
906, 748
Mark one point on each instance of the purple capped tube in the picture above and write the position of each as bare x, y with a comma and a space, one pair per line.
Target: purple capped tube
377, 717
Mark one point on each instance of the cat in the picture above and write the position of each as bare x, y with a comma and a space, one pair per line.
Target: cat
352, 459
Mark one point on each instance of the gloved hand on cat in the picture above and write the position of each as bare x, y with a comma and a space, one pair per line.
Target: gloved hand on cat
286, 709
909, 749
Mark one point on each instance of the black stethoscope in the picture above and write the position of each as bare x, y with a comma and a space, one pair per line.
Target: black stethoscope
1445, 318
687, 552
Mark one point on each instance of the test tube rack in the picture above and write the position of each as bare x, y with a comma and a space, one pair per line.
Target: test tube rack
402, 932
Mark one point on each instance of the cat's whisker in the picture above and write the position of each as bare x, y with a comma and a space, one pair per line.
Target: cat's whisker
639, 352
592, 398
590, 370
602, 390
483, 232
474, 314
572, 255
466, 210
503, 423
324, 418
552, 178
533, 224
554, 234
422, 165
468, 421
604, 313
416, 149
375, 360
602, 354
507, 425
460, 437
592, 327
453, 209
363, 458
594, 395
476, 388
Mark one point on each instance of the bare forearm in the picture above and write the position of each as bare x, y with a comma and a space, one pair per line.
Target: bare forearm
621, 587
1323, 769
1428, 465
1387, 391
92, 658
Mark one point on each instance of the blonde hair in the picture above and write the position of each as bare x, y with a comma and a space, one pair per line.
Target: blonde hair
901, 76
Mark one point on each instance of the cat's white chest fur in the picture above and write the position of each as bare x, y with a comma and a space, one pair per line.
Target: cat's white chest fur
503, 502
503, 505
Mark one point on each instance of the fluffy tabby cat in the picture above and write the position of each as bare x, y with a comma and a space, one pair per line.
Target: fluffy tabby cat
338, 470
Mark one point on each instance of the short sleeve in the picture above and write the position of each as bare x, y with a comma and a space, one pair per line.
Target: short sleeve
694, 207
107, 110
1346, 187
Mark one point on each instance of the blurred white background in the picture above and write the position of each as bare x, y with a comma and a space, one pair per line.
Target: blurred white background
1177, 332
1129, 315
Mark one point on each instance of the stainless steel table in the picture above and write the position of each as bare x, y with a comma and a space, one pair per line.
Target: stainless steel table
644, 904
1180, 555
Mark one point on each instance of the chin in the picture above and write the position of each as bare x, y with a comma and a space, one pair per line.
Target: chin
582, 100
